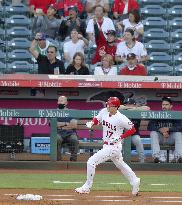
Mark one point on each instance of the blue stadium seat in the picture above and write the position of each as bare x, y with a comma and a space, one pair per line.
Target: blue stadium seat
18, 32
175, 11
153, 10
176, 35
160, 57
175, 23
19, 67
160, 69
2, 56
156, 33
158, 45
16, 9
155, 22
152, 2
2, 33
178, 70
19, 54
177, 47
18, 20
2, 67
21, 43
178, 59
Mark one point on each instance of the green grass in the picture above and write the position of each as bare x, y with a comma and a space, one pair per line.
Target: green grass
101, 182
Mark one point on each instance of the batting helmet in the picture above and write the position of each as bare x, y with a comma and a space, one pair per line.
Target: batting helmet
113, 101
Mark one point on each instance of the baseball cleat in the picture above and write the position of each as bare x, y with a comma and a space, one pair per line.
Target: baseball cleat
136, 186
82, 190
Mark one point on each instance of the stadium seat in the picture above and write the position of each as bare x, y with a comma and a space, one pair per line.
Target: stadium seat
18, 32
152, 2
19, 54
155, 22
156, 33
175, 23
158, 45
16, 9
175, 11
160, 69
2, 67
153, 10
21, 43
19, 66
178, 59
176, 35
160, 57
18, 20
174, 2
2, 33
2, 56
177, 47
178, 70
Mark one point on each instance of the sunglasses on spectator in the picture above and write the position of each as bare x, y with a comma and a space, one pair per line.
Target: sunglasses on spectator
50, 51
38, 39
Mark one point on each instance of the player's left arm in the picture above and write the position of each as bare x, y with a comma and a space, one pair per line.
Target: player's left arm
129, 126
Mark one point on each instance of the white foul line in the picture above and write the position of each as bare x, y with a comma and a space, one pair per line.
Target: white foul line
115, 200
159, 184
111, 196
167, 201
165, 197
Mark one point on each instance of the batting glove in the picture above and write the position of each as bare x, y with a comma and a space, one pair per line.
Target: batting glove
89, 124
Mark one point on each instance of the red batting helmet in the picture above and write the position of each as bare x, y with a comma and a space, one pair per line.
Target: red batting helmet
113, 101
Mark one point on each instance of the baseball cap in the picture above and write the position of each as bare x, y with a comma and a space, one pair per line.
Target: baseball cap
112, 32
130, 56
74, 8
41, 36
53, 6
130, 101
130, 30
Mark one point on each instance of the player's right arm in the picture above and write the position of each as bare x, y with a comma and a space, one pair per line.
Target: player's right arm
95, 121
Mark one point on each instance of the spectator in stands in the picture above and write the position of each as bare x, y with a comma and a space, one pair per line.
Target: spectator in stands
43, 44
130, 104
91, 4
104, 46
130, 45
63, 6
132, 22
70, 23
77, 44
121, 8
47, 24
133, 67
48, 64
67, 130
40, 6
106, 67
77, 67
104, 23
165, 132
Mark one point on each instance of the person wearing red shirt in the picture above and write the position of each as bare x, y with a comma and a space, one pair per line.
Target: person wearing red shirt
122, 7
104, 46
40, 4
133, 68
64, 5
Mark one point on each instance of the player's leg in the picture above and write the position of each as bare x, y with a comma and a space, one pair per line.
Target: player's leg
101, 156
136, 140
156, 139
176, 138
73, 142
128, 173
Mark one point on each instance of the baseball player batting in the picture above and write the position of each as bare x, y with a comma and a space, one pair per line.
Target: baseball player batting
113, 123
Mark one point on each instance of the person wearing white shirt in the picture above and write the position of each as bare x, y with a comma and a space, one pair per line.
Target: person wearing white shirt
76, 44
107, 67
132, 22
104, 23
130, 45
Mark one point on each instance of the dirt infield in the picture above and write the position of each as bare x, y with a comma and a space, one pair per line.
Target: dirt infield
69, 197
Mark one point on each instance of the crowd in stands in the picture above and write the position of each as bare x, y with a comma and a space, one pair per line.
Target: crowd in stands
106, 34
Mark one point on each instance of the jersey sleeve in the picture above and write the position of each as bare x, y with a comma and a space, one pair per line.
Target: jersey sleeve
126, 123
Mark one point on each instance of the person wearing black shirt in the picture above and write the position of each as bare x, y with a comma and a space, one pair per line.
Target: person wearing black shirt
48, 64
77, 67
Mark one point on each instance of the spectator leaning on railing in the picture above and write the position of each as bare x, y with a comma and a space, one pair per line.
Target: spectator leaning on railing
166, 132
